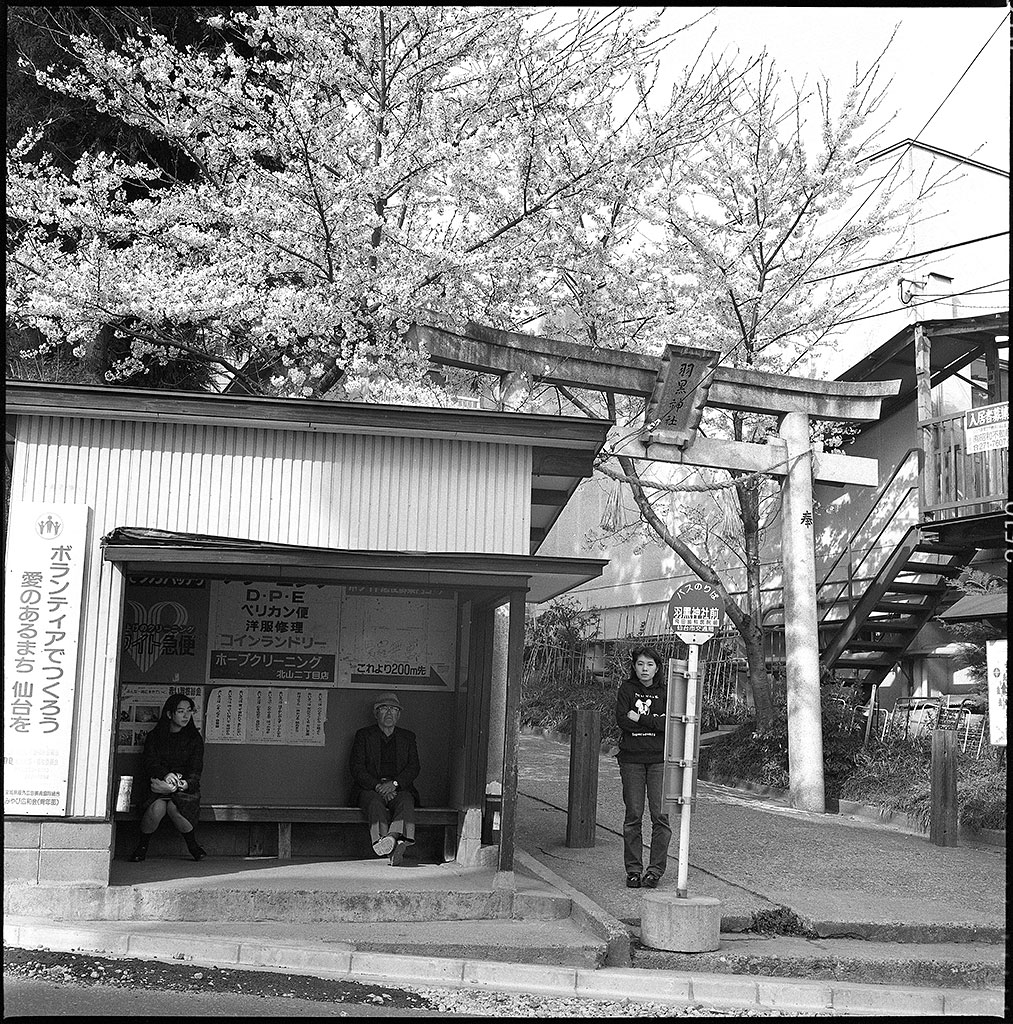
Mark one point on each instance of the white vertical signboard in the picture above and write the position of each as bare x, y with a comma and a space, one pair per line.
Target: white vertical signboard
995, 652
47, 549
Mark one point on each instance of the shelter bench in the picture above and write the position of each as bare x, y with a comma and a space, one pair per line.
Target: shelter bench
284, 816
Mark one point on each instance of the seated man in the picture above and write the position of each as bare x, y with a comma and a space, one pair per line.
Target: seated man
385, 764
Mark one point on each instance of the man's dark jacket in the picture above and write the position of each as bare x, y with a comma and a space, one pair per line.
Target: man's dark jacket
365, 760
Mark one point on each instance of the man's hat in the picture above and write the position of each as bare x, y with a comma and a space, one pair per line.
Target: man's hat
389, 699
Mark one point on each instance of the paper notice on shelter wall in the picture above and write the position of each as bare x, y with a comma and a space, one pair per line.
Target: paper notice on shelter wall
140, 707
226, 715
266, 705
995, 653
267, 714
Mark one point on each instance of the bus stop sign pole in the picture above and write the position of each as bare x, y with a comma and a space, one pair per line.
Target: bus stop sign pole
695, 613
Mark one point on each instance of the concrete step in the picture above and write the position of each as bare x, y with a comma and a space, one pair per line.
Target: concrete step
218, 904
942, 965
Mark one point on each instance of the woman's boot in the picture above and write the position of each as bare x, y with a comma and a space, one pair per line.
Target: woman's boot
196, 850
141, 850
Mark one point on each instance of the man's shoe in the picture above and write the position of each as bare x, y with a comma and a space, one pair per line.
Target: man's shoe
632, 881
384, 845
651, 880
397, 854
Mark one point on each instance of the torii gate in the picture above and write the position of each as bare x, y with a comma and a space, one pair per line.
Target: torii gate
677, 390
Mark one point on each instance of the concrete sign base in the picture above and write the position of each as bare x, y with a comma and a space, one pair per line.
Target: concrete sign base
689, 925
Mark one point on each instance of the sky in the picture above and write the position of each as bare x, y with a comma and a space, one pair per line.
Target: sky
933, 48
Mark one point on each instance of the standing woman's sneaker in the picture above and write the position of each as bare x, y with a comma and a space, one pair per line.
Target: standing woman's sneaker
632, 881
651, 880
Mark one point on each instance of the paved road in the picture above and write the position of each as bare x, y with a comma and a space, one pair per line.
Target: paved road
754, 854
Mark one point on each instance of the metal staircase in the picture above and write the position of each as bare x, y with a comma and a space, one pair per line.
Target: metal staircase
907, 591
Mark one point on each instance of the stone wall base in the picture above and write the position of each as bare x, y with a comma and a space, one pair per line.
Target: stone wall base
57, 852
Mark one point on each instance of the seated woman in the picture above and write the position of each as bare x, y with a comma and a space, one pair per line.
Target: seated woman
172, 761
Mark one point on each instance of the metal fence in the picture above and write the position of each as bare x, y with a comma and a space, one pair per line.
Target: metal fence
913, 717
598, 663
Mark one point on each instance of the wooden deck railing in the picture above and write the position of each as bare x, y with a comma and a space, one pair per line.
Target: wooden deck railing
955, 483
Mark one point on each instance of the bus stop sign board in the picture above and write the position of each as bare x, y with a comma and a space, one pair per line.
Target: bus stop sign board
696, 612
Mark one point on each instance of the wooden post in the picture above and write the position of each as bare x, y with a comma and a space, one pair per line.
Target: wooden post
923, 379
582, 803
801, 626
943, 824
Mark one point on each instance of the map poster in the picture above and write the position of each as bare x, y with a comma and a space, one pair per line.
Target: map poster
398, 637
278, 715
279, 633
140, 706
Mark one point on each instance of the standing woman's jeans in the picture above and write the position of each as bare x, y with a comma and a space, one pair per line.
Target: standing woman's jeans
638, 778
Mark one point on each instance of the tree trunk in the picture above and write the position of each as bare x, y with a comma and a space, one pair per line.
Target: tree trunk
752, 633
759, 681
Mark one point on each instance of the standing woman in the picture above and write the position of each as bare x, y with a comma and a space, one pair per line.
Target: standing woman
640, 715
172, 761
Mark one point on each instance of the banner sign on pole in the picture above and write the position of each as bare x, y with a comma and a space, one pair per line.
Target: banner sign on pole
47, 551
995, 655
986, 429
696, 612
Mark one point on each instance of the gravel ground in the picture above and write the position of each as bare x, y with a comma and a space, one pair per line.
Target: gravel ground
82, 969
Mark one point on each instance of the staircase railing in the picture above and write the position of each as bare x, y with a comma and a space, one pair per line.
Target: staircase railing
833, 601
849, 548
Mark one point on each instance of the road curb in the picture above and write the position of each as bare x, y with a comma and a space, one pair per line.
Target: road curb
613, 983
585, 912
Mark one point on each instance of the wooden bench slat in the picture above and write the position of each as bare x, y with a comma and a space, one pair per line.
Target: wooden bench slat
323, 815
285, 816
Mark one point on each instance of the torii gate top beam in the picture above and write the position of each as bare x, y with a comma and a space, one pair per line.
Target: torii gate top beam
486, 350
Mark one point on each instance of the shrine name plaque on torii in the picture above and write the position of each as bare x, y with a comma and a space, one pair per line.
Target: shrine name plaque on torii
686, 381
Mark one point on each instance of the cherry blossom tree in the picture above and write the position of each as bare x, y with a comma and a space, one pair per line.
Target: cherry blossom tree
741, 243
349, 171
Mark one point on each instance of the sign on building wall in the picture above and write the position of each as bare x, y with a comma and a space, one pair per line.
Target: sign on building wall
398, 637
274, 632
986, 428
262, 714
165, 630
47, 550
140, 707
995, 654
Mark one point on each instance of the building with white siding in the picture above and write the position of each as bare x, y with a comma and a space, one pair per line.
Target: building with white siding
284, 561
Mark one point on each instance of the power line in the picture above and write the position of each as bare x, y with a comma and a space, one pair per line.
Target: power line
896, 164
901, 259
926, 302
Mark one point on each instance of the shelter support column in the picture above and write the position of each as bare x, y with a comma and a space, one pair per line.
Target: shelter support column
512, 724
801, 633
498, 694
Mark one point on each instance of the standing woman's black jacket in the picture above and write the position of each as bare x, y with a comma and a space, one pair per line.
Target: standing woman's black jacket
181, 752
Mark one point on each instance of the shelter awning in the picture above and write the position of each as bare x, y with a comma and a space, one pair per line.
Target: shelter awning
186, 553
977, 607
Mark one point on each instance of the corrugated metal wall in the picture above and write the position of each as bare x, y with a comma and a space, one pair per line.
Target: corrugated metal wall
286, 487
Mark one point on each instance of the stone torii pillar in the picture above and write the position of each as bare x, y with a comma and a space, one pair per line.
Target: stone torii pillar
801, 622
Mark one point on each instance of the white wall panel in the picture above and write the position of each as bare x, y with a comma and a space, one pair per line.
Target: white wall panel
288, 487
